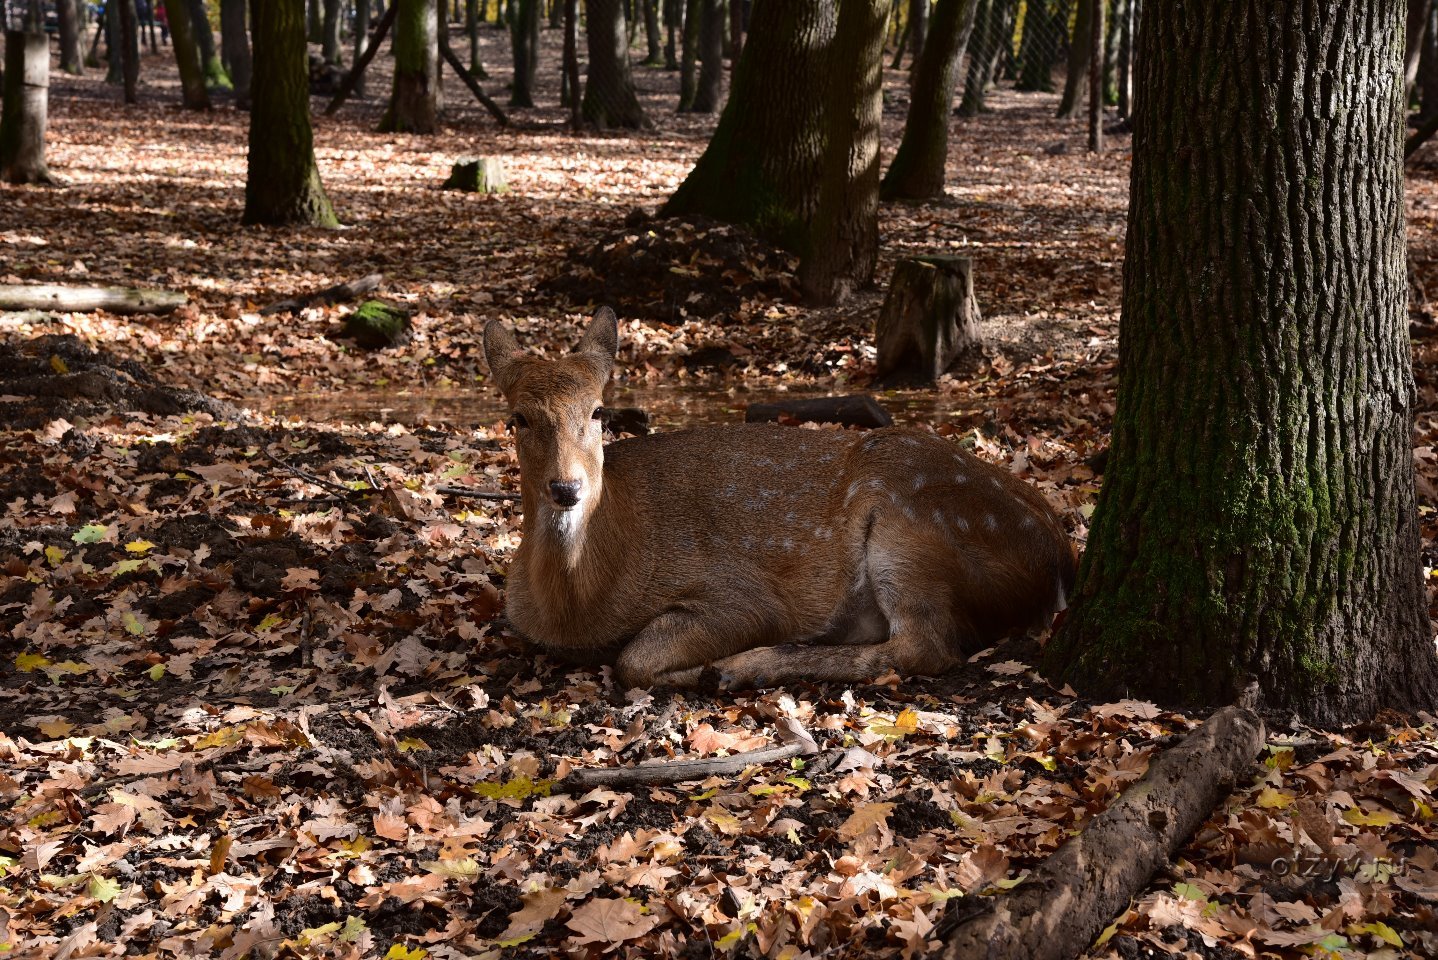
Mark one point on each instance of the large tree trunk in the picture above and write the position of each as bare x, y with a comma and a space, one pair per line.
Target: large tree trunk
610, 99
524, 42
917, 170
23, 111
72, 30
187, 56
709, 91
415, 102
1080, 49
843, 242
1257, 519
283, 182
215, 76
235, 46
762, 166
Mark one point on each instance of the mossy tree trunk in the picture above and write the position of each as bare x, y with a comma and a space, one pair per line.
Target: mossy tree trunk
235, 46
709, 90
762, 165
187, 56
1080, 49
843, 243
283, 183
610, 99
917, 170
524, 43
415, 101
72, 31
215, 76
1257, 520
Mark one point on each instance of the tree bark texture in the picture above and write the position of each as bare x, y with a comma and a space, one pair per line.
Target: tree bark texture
1080, 49
330, 27
215, 76
524, 44
114, 44
72, 35
1095, 81
673, 27
843, 243
610, 99
66, 297
129, 49
709, 90
571, 61
918, 28
187, 56
917, 170
689, 64
1257, 518
283, 182
235, 45
23, 108
762, 165
415, 101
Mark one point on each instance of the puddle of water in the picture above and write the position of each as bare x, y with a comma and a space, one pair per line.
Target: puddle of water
669, 407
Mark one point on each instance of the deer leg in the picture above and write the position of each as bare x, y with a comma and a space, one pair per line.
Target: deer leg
674, 649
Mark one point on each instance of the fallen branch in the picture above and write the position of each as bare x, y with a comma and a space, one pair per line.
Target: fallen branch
306, 475
661, 772
474, 494
494, 110
339, 293
48, 296
1063, 905
347, 86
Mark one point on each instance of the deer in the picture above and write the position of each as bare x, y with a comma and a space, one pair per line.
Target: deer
757, 555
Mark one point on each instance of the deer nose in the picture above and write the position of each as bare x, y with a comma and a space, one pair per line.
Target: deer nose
565, 492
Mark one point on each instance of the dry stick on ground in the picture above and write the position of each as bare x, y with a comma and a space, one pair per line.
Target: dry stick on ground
50, 296
449, 57
305, 475
339, 293
657, 772
1061, 906
478, 494
347, 86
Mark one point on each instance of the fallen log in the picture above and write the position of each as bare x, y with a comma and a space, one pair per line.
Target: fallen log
47, 296
1066, 902
858, 410
339, 293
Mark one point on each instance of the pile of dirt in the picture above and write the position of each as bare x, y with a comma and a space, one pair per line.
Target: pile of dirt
59, 376
673, 270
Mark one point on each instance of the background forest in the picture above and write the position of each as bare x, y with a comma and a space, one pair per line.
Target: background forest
260, 497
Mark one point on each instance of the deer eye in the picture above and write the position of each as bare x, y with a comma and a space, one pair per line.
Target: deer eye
517, 420
598, 414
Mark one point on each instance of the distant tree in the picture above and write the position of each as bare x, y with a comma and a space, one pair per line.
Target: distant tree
1257, 521
415, 101
1080, 49
283, 183
917, 170
524, 43
235, 46
673, 27
114, 44
653, 38
689, 64
1428, 69
187, 56
993, 31
918, 28
709, 90
315, 20
72, 30
1042, 37
571, 62
472, 17
843, 243
762, 165
610, 99
129, 49
330, 51
215, 76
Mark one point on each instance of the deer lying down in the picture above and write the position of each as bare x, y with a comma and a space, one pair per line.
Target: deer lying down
767, 553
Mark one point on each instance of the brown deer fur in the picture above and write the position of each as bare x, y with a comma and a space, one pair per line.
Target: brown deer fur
768, 553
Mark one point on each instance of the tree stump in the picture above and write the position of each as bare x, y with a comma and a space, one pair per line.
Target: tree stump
478, 175
928, 318
376, 325
22, 117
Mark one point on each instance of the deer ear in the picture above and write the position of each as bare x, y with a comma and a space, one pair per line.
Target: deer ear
602, 338
501, 350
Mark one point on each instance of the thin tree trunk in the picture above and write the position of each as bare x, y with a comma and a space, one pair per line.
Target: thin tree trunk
843, 242
993, 28
917, 170
689, 65
414, 103
1257, 521
282, 186
23, 108
129, 49
762, 165
1095, 82
472, 18
362, 24
653, 38
610, 99
1038, 46
187, 56
571, 61
673, 21
1428, 69
215, 76
709, 90
114, 44
736, 31
1416, 27
67, 13
1125, 59
235, 43
1076, 82
330, 28
315, 29
524, 43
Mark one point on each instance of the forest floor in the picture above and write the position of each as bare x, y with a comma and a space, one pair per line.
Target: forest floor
258, 697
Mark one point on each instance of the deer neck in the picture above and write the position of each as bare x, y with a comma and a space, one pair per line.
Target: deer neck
563, 540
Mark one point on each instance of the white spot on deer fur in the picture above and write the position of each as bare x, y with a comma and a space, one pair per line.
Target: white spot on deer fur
961, 523
788, 545
1061, 602
1027, 521
938, 518
790, 517
961, 477
909, 441
909, 513
991, 521
853, 489
566, 524
919, 482
823, 533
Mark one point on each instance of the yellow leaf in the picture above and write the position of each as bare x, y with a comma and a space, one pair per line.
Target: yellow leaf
26, 662
222, 737
399, 952
55, 729
157, 671
102, 889
466, 869
311, 934
1272, 799
520, 788
354, 926
406, 744
69, 666
133, 626
1380, 930
139, 546
1378, 818
55, 555
58, 364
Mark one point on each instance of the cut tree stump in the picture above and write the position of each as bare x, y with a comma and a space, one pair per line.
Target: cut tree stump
46, 296
375, 325
928, 318
23, 110
478, 175
857, 410
1058, 910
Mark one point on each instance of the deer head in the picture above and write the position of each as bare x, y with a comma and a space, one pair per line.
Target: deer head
555, 413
